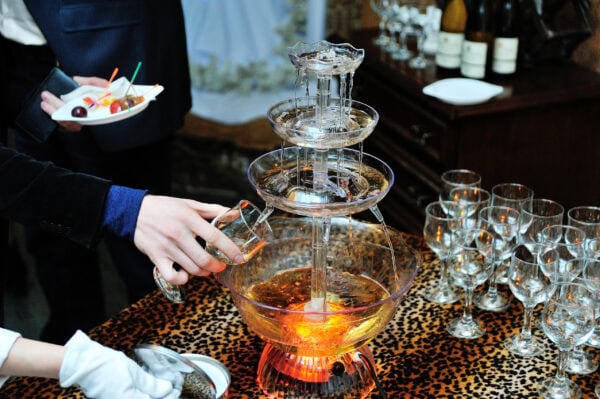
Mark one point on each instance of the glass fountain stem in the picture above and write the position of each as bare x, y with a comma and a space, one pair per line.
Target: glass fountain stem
323, 98
320, 241
320, 170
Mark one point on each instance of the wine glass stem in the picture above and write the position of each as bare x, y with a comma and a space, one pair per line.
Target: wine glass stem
403, 39
563, 357
443, 281
467, 313
492, 288
526, 330
420, 40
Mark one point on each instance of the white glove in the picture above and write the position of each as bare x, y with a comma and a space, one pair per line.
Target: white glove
105, 373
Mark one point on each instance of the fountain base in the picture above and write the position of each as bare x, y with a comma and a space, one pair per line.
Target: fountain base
287, 375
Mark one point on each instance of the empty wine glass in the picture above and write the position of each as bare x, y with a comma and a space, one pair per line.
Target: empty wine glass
456, 178
569, 241
470, 268
543, 213
503, 223
568, 321
465, 202
381, 8
531, 287
586, 218
439, 232
401, 20
591, 277
512, 195
420, 26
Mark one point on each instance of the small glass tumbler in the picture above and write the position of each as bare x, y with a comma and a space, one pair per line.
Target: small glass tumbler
246, 225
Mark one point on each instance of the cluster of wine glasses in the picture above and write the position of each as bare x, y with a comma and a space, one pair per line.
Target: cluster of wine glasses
401, 19
507, 236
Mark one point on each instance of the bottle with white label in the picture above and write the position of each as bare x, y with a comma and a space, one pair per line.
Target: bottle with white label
451, 35
506, 42
479, 40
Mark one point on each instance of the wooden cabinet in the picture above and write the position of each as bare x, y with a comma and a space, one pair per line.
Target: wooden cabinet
542, 131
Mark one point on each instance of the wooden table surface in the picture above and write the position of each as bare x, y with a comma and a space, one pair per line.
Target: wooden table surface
415, 356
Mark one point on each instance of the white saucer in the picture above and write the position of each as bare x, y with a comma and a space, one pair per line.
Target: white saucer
462, 91
101, 115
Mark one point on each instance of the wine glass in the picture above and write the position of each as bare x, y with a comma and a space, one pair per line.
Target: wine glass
465, 203
419, 22
439, 232
381, 8
455, 178
586, 218
568, 241
401, 27
591, 277
503, 223
531, 287
470, 268
513, 195
543, 213
568, 321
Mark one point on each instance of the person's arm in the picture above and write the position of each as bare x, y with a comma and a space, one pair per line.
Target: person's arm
165, 229
58, 200
99, 371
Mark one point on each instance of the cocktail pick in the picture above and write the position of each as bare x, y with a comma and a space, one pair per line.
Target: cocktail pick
112, 77
137, 69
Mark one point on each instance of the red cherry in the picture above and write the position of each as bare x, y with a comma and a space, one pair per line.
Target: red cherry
79, 112
115, 107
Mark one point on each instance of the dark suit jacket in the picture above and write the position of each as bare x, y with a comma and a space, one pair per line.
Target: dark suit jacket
60, 201
92, 37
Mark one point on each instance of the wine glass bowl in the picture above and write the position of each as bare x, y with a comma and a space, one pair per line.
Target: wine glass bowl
543, 213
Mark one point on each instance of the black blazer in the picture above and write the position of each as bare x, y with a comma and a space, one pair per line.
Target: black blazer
92, 37
59, 201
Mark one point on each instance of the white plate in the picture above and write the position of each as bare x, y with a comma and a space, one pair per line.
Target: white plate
100, 115
462, 91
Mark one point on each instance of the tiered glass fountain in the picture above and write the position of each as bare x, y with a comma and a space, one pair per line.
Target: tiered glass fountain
327, 283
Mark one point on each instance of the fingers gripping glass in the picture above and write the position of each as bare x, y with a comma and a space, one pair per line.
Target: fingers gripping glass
245, 224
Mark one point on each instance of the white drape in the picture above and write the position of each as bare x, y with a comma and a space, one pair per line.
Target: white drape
233, 36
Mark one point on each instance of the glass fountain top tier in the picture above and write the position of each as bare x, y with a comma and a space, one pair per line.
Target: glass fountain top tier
323, 120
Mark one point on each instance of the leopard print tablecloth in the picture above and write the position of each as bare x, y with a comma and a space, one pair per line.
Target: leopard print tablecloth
416, 357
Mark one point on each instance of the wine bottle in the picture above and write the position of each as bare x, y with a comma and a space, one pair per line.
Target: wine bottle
479, 39
452, 34
506, 42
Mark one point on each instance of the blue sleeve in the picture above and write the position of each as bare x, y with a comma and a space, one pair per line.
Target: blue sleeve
121, 210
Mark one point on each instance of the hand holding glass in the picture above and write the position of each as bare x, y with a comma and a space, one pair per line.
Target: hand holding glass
246, 225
